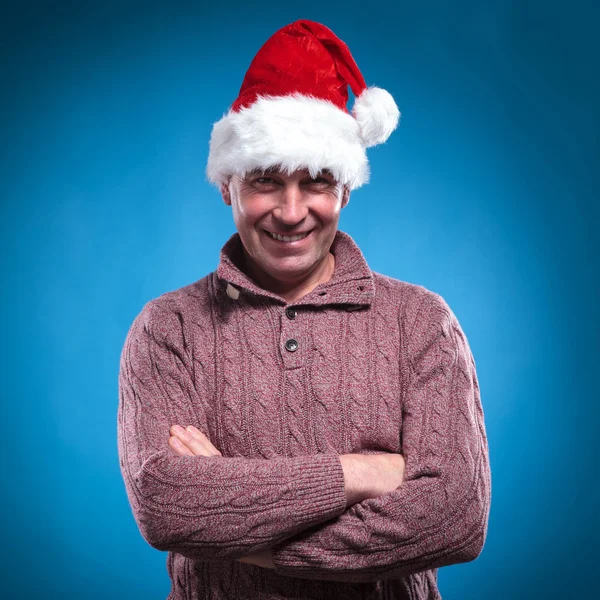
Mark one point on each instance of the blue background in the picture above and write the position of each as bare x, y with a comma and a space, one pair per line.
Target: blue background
487, 194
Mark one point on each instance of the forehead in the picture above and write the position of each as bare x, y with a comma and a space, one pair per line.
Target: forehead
278, 170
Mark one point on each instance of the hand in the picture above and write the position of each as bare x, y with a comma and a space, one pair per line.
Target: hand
371, 475
260, 559
190, 442
390, 470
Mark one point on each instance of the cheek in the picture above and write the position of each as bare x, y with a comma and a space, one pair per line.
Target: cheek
249, 211
332, 211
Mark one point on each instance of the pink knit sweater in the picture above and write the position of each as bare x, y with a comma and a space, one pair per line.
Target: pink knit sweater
378, 365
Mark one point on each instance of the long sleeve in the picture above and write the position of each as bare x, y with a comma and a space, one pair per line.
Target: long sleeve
206, 508
439, 515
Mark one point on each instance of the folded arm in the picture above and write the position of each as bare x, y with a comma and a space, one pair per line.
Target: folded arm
439, 515
364, 476
207, 508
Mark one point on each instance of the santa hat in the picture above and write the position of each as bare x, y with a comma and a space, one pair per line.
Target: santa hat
291, 111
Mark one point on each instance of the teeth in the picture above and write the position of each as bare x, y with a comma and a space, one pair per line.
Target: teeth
288, 238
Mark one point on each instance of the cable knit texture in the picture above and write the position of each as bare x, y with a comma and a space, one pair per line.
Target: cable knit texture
381, 365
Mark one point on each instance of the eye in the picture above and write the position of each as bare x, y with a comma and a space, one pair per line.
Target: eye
320, 182
264, 180
263, 183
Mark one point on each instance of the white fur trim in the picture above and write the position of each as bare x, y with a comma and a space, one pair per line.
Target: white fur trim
377, 115
294, 132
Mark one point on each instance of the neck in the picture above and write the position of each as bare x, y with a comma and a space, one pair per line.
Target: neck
293, 290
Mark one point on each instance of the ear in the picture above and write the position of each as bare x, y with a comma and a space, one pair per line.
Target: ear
226, 194
345, 196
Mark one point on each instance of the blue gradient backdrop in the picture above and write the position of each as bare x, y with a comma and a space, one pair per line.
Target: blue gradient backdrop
486, 194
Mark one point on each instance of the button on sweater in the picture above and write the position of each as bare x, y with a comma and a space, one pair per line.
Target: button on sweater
379, 365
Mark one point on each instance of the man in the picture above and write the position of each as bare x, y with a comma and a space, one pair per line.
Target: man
295, 425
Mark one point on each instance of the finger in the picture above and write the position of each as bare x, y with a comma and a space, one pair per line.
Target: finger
194, 444
204, 440
178, 448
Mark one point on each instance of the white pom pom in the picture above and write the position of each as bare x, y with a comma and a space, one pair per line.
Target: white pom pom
377, 115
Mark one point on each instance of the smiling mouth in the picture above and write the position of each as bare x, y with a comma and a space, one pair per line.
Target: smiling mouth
288, 238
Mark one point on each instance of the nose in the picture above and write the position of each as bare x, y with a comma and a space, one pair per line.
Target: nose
291, 207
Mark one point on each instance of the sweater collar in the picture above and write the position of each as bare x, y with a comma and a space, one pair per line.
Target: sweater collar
351, 282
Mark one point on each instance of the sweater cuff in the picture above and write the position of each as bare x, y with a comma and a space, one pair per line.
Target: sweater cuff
322, 486
321, 489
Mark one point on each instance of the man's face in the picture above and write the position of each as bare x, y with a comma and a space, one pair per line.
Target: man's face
272, 202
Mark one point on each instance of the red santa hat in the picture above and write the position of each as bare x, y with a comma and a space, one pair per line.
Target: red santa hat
291, 111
